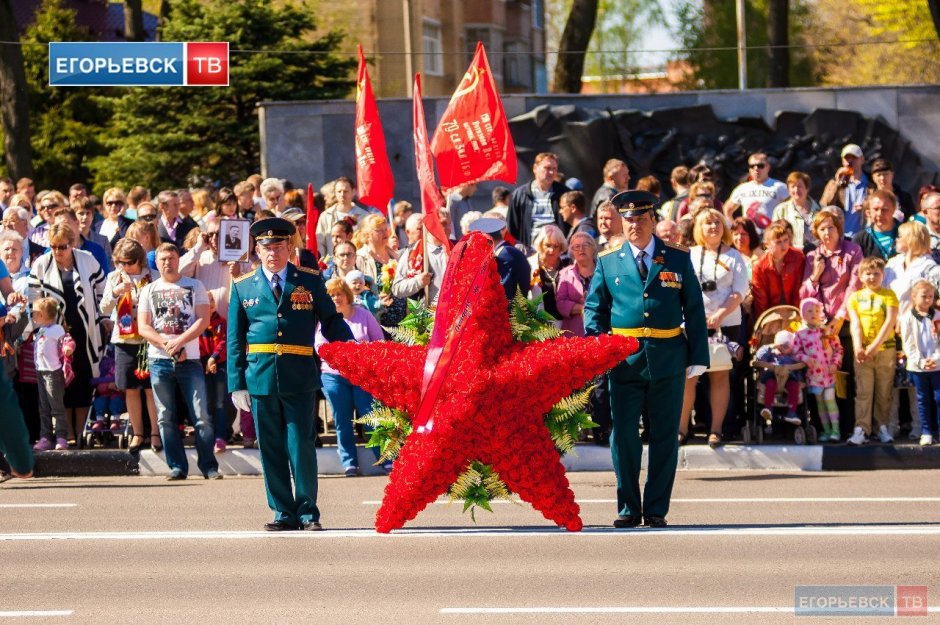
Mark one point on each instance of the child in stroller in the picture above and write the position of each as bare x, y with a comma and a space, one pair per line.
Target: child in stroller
780, 370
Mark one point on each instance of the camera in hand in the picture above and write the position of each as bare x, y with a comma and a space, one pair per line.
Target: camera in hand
708, 286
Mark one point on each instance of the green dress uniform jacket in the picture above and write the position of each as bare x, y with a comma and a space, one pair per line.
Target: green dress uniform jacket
620, 302
270, 354
256, 319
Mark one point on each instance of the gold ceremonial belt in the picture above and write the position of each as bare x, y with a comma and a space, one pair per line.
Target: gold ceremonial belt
651, 333
280, 348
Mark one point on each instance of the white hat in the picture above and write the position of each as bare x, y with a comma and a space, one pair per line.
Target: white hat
354, 275
853, 149
784, 337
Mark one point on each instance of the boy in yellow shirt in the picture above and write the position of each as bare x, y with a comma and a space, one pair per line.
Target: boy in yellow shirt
873, 312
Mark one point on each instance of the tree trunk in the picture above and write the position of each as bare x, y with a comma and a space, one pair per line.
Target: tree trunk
134, 20
935, 14
574, 41
778, 14
14, 102
164, 14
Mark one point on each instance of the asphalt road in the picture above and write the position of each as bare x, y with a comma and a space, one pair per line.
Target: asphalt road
143, 550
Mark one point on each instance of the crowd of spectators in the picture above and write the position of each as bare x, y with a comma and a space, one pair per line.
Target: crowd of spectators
116, 307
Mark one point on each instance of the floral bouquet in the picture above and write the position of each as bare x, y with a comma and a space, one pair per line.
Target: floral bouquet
388, 276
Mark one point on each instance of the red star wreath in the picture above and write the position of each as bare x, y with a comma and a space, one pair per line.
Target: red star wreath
489, 401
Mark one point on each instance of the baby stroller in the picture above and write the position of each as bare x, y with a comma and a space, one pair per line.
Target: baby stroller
118, 431
768, 324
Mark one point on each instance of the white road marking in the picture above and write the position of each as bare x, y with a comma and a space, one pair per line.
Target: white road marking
38, 505
34, 613
491, 532
635, 610
376, 502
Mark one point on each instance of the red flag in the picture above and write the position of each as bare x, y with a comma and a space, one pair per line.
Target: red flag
431, 198
472, 142
313, 215
374, 182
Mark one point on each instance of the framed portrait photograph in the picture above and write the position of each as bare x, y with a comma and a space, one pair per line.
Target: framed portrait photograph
233, 239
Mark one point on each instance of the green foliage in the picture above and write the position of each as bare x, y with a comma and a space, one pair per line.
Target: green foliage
703, 24
528, 322
390, 428
164, 137
416, 327
901, 42
567, 418
65, 123
477, 487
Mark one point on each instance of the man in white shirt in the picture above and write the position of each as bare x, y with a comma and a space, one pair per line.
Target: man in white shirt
757, 197
172, 312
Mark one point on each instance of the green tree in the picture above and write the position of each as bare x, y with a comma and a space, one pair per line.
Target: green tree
66, 122
703, 26
165, 137
875, 42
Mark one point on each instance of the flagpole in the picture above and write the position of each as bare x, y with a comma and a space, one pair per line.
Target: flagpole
426, 261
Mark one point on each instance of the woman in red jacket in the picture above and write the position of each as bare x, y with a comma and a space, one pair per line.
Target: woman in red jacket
777, 275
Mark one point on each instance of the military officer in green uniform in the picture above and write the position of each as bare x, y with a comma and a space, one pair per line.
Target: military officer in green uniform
647, 289
272, 370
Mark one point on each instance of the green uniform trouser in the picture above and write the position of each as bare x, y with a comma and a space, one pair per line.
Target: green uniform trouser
14, 439
284, 425
664, 399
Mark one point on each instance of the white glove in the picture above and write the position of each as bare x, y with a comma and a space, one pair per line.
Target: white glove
242, 400
690, 372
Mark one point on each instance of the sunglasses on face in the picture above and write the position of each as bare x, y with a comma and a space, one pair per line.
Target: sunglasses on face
125, 262
46, 207
59, 248
756, 165
114, 203
147, 217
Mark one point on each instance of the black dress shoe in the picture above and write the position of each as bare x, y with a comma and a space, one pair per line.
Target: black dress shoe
312, 526
654, 521
279, 526
626, 522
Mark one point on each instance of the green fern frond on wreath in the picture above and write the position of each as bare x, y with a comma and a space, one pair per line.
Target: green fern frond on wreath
416, 327
528, 323
406, 336
568, 417
477, 486
390, 428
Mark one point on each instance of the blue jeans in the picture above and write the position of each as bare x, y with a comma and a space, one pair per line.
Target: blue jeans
218, 402
165, 377
927, 386
343, 396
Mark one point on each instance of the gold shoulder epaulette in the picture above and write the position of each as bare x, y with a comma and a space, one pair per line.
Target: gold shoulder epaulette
610, 250
308, 270
244, 276
677, 246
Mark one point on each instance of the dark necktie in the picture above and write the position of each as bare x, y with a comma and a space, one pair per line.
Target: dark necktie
641, 266
276, 287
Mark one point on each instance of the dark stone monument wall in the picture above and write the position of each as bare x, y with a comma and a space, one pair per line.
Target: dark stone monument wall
801, 129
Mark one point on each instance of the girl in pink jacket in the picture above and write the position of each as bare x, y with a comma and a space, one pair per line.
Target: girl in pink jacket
822, 355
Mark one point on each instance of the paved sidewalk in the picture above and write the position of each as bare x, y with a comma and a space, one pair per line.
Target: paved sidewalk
587, 457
